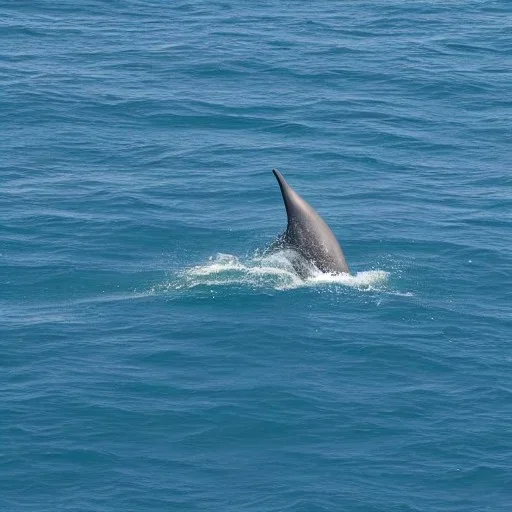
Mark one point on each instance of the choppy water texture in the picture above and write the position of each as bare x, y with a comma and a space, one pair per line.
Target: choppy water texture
154, 357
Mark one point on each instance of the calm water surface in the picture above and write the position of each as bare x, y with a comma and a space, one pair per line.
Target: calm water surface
152, 359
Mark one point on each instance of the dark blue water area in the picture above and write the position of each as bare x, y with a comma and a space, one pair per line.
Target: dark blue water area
154, 357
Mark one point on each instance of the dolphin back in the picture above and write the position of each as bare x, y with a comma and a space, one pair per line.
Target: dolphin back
309, 234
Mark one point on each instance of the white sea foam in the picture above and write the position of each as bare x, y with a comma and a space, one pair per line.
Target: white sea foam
275, 271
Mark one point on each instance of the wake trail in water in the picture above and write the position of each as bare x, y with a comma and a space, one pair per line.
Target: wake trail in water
269, 271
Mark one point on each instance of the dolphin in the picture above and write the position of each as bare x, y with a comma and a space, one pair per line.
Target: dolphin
308, 234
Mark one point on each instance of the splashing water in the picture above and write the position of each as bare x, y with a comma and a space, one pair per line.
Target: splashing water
270, 271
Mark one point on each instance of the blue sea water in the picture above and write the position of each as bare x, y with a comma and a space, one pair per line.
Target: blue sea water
153, 357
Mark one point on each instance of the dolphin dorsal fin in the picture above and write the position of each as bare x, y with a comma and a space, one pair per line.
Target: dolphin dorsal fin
292, 201
308, 233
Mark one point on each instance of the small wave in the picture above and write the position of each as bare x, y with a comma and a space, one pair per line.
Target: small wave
269, 271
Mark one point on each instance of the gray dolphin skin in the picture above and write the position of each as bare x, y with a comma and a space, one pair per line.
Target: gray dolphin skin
308, 233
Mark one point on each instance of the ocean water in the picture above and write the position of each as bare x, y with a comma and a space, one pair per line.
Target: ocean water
153, 357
